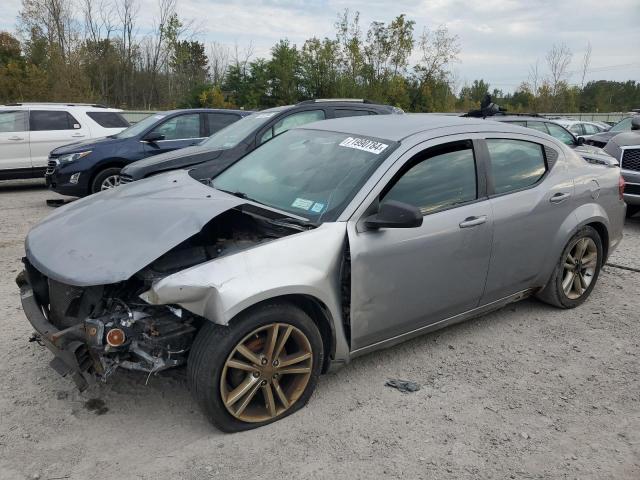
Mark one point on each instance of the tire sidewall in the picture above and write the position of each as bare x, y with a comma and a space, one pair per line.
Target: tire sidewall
584, 232
206, 370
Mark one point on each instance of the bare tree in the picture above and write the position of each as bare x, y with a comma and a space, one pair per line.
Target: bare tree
586, 62
437, 50
534, 77
558, 60
218, 61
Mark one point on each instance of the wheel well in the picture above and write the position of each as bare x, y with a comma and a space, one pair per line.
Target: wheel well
318, 312
116, 162
604, 236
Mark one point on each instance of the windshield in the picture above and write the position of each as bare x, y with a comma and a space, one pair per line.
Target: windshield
622, 125
138, 128
309, 173
232, 135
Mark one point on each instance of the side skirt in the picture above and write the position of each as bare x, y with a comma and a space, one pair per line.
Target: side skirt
22, 173
461, 317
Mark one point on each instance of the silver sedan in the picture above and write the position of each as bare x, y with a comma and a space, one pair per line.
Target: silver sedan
328, 242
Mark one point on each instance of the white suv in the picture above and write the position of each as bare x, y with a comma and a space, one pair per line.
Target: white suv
29, 131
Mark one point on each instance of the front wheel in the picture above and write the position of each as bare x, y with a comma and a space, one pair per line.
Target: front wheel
106, 179
261, 368
576, 273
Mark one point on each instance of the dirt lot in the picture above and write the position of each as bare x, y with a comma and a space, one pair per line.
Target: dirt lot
526, 392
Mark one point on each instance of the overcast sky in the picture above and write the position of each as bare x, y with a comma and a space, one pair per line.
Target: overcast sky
500, 39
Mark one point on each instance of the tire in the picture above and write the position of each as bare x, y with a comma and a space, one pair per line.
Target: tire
101, 176
212, 379
554, 293
632, 210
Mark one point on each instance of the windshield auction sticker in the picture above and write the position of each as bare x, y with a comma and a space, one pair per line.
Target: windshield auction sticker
302, 203
364, 144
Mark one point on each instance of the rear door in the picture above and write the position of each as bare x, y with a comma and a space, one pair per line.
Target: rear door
531, 196
178, 131
50, 129
14, 140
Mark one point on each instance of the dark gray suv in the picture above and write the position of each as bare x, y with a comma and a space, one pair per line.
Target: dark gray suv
233, 142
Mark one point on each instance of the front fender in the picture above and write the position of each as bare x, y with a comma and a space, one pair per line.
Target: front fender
307, 263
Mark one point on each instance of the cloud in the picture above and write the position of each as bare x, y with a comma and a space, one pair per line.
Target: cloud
499, 38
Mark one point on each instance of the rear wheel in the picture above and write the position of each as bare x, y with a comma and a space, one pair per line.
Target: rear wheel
261, 368
106, 179
576, 273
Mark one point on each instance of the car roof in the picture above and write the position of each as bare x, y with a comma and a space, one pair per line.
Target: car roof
398, 127
90, 107
205, 110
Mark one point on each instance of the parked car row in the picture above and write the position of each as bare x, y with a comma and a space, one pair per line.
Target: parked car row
311, 243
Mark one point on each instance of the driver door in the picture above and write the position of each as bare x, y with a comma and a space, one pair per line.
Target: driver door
403, 279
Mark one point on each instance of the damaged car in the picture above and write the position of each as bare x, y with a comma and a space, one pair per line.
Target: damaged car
328, 242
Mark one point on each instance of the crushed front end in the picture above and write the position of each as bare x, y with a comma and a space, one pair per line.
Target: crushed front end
92, 331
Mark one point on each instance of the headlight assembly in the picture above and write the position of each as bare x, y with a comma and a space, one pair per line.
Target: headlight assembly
72, 157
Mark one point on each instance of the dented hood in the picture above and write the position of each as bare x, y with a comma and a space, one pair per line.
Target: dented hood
107, 237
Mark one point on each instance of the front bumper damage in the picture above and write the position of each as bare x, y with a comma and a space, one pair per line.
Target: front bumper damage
69, 346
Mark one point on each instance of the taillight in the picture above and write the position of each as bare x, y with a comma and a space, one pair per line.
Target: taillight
621, 185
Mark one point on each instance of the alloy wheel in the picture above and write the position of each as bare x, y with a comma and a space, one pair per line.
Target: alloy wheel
579, 267
112, 181
266, 372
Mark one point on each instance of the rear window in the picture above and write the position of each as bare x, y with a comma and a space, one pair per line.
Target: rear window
108, 119
40, 120
515, 164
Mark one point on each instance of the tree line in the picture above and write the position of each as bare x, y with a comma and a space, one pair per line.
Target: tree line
96, 51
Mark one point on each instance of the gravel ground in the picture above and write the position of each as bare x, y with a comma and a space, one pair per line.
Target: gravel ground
526, 392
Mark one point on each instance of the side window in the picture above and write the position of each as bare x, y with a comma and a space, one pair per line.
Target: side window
576, 129
217, 121
438, 178
515, 164
13, 121
108, 119
538, 126
180, 127
590, 129
560, 133
293, 120
40, 120
345, 112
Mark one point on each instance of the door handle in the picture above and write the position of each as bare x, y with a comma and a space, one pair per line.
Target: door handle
16, 138
78, 135
559, 197
473, 221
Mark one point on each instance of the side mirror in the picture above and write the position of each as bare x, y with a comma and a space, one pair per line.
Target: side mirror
580, 140
635, 123
152, 137
394, 214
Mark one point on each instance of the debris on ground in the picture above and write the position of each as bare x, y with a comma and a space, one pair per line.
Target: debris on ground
405, 386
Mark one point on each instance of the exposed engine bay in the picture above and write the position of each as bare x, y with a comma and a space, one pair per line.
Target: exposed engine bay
107, 327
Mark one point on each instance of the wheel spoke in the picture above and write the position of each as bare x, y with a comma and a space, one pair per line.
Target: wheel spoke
581, 246
570, 259
283, 398
577, 286
237, 393
270, 401
283, 339
590, 260
248, 354
293, 359
270, 344
567, 282
247, 398
240, 365
583, 281
294, 370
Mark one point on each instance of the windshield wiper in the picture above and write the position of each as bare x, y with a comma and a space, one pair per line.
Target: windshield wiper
238, 194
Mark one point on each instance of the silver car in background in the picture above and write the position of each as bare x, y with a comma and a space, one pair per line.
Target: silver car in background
330, 241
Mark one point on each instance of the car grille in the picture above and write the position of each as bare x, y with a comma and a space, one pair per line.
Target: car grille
51, 166
631, 159
124, 178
